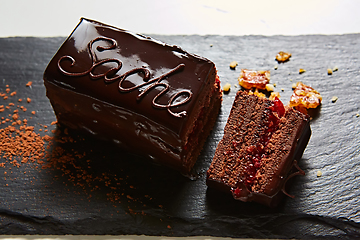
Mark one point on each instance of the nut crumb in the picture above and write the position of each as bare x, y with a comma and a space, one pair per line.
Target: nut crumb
274, 95
233, 64
319, 174
357, 115
335, 69
283, 56
329, 71
334, 99
226, 87
301, 71
275, 67
269, 87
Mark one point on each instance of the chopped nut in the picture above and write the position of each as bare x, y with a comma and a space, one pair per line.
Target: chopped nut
226, 87
254, 79
357, 115
282, 89
334, 99
233, 65
269, 87
275, 67
335, 69
301, 70
293, 86
319, 174
283, 56
257, 93
274, 95
329, 71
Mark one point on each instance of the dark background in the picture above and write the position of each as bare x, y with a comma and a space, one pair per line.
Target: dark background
129, 195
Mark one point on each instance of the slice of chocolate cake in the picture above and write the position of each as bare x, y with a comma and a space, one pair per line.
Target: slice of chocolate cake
148, 97
262, 142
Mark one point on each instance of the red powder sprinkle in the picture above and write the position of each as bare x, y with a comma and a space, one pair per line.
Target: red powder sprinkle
54, 122
33, 112
15, 117
29, 84
7, 90
28, 100
20, 100
13, 93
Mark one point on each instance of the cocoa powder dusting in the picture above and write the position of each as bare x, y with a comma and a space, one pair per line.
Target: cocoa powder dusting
22, 144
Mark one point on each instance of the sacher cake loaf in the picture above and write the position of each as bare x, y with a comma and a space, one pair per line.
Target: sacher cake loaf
258, 154
150, 98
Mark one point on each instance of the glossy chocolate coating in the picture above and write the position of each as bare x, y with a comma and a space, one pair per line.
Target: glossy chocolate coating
153, 89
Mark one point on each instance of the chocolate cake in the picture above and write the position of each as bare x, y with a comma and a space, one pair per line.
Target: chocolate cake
150, 98
262, 142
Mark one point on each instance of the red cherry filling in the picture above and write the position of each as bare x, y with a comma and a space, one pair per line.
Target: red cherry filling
256, 152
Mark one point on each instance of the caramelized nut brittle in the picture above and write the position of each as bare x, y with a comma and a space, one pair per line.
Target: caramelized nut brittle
283, 56
305, 96
254, 79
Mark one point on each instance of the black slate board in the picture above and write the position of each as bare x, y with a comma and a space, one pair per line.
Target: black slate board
153, 200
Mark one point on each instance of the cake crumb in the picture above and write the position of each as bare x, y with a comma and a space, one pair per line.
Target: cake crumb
334, 99
329, 71
319, 174
233, 65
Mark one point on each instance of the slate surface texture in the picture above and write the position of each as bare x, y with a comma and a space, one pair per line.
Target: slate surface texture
97, 189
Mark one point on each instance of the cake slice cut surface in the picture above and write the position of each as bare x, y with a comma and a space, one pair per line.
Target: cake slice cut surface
262, 142
150, 98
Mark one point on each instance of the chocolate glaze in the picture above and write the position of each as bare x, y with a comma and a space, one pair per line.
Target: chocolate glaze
149, 88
